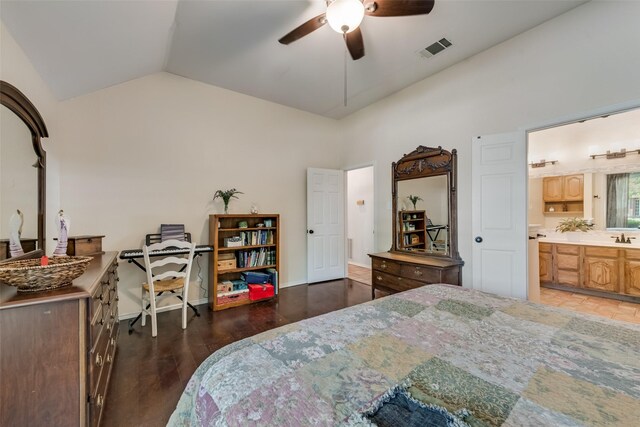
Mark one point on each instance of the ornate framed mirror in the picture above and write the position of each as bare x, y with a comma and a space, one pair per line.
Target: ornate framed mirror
22, 174
425, 203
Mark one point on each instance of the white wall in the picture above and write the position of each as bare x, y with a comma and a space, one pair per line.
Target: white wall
360, 217
154, 150
583, 60
15, 68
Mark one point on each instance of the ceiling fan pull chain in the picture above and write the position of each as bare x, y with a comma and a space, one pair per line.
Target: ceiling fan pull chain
344, 35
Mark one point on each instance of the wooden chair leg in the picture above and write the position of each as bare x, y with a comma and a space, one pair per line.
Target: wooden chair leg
143, 312
184, 308
154, 319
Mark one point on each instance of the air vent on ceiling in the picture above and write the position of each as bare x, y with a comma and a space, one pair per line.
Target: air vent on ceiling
435, 48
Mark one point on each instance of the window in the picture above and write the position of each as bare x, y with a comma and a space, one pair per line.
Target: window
623, 200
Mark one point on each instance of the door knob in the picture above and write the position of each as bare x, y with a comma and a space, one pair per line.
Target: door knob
310, 231
478, 239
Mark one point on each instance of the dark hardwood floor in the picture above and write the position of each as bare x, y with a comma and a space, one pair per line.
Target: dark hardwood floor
150, 374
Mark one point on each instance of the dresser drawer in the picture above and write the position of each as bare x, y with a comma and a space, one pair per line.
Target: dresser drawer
420, 273
97, 360
99, 296
98, 399
395, 282
385, 266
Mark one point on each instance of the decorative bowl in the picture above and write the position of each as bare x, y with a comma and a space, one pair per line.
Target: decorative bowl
29, 276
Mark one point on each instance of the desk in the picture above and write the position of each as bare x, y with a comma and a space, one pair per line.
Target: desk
434, 231
132, 256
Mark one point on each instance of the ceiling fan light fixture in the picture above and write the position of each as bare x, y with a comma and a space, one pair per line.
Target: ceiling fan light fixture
344, 16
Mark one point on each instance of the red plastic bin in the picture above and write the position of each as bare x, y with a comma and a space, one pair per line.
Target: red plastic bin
260, 291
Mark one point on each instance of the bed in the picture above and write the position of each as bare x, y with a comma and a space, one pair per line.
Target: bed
482, 359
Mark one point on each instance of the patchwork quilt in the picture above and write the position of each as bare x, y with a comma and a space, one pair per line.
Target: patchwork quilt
492, 361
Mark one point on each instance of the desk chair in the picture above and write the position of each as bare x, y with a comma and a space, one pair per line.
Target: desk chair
166, 283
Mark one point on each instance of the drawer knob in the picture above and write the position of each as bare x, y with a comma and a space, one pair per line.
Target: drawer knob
417, 272
108, 326
383, 265
99, 360
113, 342
399, 279
379, 278
109, 358
99, 401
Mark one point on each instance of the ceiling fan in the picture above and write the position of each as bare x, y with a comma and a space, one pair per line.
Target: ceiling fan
345, 16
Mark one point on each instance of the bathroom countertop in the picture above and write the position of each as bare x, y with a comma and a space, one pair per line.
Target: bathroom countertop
585, 241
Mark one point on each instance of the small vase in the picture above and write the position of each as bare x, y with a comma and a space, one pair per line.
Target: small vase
574, 236
226, 209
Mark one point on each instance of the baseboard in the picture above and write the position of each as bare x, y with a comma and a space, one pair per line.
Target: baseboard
125, 316
360, 264
293, 283
205, 300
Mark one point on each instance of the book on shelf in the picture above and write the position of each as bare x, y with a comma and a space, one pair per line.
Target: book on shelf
255, 257
254, 238
274, 277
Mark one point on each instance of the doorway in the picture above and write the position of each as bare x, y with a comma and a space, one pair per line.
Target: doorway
583, 194
360, 223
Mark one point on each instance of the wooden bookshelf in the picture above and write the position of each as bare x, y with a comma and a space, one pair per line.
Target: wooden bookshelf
226, 226
416, 238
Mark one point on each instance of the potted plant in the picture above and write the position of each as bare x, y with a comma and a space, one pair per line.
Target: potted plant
414, 199
226, 197
573, 227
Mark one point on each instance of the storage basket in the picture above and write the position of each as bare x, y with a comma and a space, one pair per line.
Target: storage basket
29, 276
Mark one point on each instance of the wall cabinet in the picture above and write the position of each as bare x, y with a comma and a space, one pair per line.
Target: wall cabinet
563, 193
552, 189
573, 188
614, 271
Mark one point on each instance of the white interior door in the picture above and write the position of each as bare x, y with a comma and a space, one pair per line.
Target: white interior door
325, 225
499, 223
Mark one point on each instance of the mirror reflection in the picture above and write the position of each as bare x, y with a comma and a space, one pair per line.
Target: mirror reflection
423, 215
18, 184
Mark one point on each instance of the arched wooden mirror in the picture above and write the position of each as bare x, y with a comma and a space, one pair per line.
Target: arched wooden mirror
425, 203
22, 174
425, 224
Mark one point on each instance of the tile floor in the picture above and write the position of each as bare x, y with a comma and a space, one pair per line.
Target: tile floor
359, 274
613, 309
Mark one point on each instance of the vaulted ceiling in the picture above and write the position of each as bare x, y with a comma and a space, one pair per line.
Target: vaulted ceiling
83, 46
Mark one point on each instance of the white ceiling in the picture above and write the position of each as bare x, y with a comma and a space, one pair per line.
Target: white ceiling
82, 46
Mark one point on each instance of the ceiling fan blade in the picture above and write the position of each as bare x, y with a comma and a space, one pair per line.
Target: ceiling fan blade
355, 44
304, 29
397, 7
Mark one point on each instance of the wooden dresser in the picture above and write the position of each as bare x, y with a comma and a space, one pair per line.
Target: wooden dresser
57, 349
397, 272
